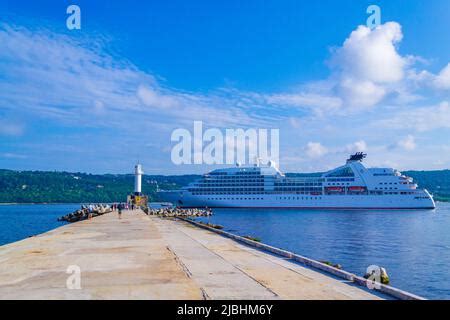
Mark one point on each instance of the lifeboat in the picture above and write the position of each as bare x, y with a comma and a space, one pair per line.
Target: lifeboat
334, 189
357, 189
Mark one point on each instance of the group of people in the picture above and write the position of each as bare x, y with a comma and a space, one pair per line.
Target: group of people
122, 206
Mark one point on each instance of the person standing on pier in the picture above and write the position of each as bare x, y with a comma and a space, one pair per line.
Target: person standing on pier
120, 207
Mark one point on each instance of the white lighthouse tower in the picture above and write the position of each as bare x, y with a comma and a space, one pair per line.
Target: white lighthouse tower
138, 179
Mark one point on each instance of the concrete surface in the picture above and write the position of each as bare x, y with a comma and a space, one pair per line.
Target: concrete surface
146, 257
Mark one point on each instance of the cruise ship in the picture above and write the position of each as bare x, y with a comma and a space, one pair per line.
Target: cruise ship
351, 186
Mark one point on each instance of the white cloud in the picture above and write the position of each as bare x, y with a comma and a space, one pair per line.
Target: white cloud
421, 119
358, 146
76, 83
442, 80
360, 93
56, 76
310, 100
315, 150
419, 77
408, 143
365, 70
367, 63
371, 55
153, 98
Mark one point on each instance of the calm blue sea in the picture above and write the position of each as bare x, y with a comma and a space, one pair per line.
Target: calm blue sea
22, 221
414, 246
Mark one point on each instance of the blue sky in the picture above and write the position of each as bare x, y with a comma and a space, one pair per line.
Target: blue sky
99, 98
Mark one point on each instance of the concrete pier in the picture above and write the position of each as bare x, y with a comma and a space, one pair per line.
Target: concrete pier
146, 257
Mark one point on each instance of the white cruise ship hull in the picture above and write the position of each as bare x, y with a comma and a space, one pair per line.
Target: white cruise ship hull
414, 201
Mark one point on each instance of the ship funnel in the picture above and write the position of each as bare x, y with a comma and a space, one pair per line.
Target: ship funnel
358, 156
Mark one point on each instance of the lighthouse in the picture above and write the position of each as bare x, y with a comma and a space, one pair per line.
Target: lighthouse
138, 179
137, 198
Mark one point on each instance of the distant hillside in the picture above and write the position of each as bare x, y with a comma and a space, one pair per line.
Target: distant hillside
66, 187
437, 182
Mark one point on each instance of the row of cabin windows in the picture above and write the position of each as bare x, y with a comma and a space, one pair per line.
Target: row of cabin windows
298, 184
238, 188
385, 188
339, 184
278, 198
200, 193
243, 172
283, 183
235, 199
299, 198
234, 177
226, 183
250, 188
295, 198
231, 180
340, 179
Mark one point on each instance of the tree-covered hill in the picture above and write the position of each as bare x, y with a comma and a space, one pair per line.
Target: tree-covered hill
66, 187
437, 182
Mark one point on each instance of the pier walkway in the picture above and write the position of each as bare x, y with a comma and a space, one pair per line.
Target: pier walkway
146, 257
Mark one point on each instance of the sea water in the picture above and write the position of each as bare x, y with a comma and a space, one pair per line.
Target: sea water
413, 245
22, 221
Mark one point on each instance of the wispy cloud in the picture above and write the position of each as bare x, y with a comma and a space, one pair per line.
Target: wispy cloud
442, 80
13, 155
11, 128
419, 119
77, 83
